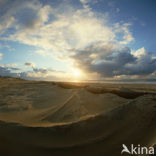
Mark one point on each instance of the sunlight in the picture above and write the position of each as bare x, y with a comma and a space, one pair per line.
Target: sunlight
76, 72
77, 75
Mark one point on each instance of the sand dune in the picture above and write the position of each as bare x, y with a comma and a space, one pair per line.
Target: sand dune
73, 119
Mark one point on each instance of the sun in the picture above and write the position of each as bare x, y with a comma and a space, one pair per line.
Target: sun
76, 72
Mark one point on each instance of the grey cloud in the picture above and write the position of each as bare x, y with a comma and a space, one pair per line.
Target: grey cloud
40, 70
115, 62
143, 66
30, 64
28, 18
43, 70
35, 74
115, 66
10, 12
38, 74
9, 71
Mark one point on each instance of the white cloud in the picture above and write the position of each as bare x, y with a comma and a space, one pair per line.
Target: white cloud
44, 13
140, 52
43, 52
67, 32
126, 34
12, 65
86, 3
78, 29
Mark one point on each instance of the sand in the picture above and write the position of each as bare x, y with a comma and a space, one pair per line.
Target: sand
74, 119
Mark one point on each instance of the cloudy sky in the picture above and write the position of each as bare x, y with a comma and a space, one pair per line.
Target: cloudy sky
78, 39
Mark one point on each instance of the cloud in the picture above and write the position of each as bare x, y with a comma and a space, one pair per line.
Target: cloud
36, 73
127, 35
6, 24
9, 70
51, 28
85, 1
74, 31
44, 53
117, 10
41, 70
1, 55
33, 73
45, 74
30, 64
109, 61
31, 18
11, 12
98, 60
12, 65
84, 38
59, 32
140, 52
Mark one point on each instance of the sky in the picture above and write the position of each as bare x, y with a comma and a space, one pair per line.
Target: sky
76, 40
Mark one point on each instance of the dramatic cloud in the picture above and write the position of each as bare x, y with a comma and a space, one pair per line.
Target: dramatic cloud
110, 61
85, 39
75, 28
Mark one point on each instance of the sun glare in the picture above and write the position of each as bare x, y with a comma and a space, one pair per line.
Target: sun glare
77, 73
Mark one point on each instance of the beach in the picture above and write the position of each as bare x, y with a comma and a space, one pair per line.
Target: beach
39, 118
